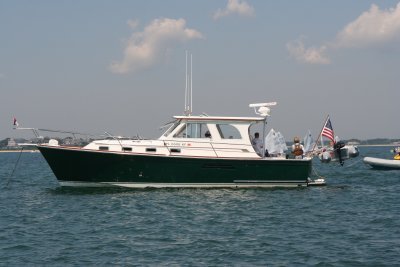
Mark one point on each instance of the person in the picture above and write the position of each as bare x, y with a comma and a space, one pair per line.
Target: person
397, 151
207, 134
257, 144
297, 148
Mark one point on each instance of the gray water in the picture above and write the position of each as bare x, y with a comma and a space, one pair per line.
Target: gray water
353, 221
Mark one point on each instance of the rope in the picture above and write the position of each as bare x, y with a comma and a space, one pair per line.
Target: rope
315, 172
15, 167
347, 166
354, 163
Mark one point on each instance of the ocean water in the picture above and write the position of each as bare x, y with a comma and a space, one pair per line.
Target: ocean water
353, 221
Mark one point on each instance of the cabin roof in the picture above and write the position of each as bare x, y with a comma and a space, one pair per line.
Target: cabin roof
219, 118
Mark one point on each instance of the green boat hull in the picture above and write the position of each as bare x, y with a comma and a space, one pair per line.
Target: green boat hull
77, 167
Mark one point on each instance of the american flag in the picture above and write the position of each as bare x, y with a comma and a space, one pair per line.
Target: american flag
328, 130
15, 122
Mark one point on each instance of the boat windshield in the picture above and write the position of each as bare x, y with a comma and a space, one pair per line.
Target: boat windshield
172, 127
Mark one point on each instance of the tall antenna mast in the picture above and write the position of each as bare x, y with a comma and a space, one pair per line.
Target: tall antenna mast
186, 83
189, 87
191, 83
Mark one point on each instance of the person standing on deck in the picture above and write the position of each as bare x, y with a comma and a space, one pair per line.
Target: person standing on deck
297, 148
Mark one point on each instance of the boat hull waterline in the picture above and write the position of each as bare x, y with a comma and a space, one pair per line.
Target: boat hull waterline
89, 168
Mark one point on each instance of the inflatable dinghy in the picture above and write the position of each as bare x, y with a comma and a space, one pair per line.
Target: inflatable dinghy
386, 164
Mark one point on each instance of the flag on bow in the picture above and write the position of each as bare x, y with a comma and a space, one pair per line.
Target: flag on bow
15, 123
327, 131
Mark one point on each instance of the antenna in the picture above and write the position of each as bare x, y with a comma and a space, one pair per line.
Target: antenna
191, 83
263, 108
186, 82
189, 87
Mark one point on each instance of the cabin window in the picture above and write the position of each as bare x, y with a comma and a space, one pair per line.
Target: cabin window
103, 148
194, 130
127, 149
175, 150
151, 149
228, 131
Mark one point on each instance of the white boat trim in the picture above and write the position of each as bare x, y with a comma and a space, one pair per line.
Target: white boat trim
238, 184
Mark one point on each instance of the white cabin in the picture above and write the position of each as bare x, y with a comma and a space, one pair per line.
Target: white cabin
193, 136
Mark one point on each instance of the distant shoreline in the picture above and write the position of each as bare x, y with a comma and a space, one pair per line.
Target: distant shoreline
381, 145
23, 150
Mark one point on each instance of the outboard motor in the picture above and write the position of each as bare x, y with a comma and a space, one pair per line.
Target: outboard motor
338, 146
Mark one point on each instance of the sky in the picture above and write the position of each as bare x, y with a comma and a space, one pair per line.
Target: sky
119, 66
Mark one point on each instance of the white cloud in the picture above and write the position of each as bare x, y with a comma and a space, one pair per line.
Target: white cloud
146, 48
241, 8
371, 27
312, 55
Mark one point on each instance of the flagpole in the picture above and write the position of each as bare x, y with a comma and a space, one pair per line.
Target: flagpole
320, 133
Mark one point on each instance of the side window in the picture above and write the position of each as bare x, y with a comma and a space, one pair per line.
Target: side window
228, 131
193, 130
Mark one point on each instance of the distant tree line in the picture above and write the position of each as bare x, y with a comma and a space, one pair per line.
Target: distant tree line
61, 141
375, 141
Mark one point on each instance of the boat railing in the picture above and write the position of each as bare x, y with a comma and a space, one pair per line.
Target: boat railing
169, 150
212, 144
165, 145
214, 150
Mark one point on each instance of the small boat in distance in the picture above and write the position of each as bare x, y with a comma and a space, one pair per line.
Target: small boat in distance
382, 164
195, 151
385, 164
337, 151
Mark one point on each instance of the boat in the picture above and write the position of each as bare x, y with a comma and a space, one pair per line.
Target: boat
194, 152
336, 151
339, 153
383, 164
